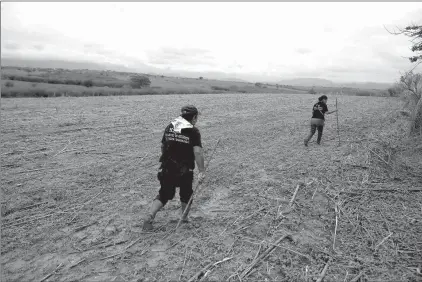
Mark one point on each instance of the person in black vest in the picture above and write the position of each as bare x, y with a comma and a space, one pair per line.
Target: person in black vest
181, 147
319, 111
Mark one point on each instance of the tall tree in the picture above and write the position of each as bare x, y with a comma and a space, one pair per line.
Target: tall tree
412, 82
412, 85
414, 32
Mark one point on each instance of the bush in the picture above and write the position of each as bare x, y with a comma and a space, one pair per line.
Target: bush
88, 83
312, 91
363, 93
234, 88
219, 88
258, 84
9, 84
138, 81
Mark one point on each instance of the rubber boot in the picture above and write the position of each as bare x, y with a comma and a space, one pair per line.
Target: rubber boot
155, 207
320, 129
319, 138
184, 206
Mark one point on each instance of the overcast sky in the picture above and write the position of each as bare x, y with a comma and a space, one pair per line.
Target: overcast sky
337, 41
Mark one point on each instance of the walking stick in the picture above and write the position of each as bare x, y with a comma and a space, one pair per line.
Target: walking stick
338, 129
196, 188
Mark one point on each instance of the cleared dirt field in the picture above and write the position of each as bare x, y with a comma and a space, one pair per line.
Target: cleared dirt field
78, 174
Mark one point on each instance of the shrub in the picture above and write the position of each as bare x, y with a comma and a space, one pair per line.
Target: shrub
363, 93
234, 88
138, 81
9, 84
312, 91
88, 83
219, 88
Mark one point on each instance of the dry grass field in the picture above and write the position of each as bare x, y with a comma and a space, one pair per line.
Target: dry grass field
78, 174
28, 82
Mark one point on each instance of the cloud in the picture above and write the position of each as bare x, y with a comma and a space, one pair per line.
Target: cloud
38, 47
303, 51
11, 46
187, 36
177, 56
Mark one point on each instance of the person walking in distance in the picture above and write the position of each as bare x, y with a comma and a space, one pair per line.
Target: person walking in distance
181, 147
319, 111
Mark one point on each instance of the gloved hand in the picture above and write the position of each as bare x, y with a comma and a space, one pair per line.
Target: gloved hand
160, 174
201, 177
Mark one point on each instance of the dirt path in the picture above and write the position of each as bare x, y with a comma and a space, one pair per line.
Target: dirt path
88, 178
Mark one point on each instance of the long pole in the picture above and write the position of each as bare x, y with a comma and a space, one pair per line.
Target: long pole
196, 188
338, 129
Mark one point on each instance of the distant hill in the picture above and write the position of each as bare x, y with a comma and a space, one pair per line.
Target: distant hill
309, 82
32, 63
366, 85
139, 67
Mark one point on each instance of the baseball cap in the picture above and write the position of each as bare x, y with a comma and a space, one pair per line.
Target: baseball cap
190, 109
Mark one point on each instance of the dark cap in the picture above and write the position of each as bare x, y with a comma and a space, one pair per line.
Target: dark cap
322, 98
189, 109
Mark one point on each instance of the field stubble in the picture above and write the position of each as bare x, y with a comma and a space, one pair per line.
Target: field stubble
78, 174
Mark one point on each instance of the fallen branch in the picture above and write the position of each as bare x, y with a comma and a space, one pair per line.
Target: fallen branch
292, 251
87, 202
32, 170
378, 156
200, 273
79, 262
261, 257
84, 226
356, 279
324, 271
382, 241
358, 191
65, 147
335, 228
290, 166
207, 269
52, 273
294, 195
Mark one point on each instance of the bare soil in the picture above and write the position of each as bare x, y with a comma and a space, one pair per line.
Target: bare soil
78, 175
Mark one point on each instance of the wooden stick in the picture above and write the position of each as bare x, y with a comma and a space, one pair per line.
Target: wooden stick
63, 149
87, 202
313, 195
294, 195
73, 265
214, 265
80, 228
338, 128
324, 271
335, 229
292, 251
196, 188
382, 241
262, 256
358, 191
184, 263
200, 273
356, 279
207, 269
378, 156
52, 273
